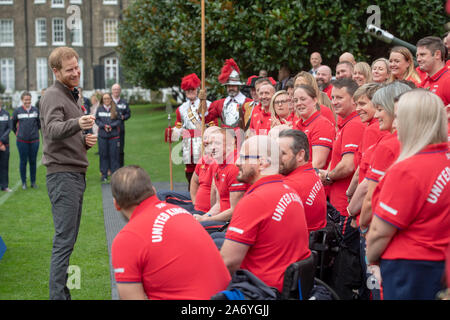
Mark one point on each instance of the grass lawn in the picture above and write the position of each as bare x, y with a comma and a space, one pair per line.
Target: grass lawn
26, 223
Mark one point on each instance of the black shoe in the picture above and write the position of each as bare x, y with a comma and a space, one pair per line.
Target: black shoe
24, 186
34, 186
6, 190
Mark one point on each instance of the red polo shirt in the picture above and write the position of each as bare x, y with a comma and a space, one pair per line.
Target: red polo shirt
203, 196
439, 84
384, 155
261, 122
320, 132
415, 198
348, 139
327, 113
327, 90
224, 176
305, 181
270, 219
371, 136
169, 252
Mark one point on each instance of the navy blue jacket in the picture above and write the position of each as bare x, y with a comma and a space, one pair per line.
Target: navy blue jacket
26, 124
5, 126
102, 118
124, 109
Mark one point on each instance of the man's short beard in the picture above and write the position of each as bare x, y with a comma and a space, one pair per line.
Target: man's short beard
288, 168
248, 177
322, 85
233, 93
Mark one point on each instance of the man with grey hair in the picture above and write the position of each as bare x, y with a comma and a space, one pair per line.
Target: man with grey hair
268, 229
124, 114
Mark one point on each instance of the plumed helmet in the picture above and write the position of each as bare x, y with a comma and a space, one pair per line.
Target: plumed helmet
189, 82
230, 74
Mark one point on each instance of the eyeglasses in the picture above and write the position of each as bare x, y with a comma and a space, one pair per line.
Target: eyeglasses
245, 157
281, 102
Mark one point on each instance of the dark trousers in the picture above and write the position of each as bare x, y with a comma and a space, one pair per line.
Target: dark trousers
108, 150
4, 168
28, 153
65, 190
346, 278
121, 148
411, 279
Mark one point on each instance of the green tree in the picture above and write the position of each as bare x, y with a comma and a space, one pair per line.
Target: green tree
160, 40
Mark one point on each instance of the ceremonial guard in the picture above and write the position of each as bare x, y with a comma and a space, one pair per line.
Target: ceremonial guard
189, 124
229, 109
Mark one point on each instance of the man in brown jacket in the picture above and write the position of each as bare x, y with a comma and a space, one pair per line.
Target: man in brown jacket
64, 154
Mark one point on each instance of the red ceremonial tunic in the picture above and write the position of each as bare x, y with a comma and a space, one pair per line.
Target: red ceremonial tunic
320, 132
270, 219
305, 181
439, 84
384, 155
169, 252
204, 173
229, 117
414, 197
348, 139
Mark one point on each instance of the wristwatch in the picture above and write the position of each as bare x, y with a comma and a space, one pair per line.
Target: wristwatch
328, 179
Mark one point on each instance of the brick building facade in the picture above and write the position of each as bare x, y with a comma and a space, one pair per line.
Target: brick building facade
31, 29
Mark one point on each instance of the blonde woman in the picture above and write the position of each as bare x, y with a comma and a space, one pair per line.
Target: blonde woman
362, 73
409, 233
280, 109
380, 70
324, 103
401, 65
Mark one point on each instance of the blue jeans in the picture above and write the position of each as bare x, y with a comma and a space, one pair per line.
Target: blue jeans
28, 153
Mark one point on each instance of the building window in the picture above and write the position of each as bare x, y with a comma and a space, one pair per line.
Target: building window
39, 1
59, 31
76, 33
110, 32
109, 1
81, 67
57, 3
111, 71
41, 32
7, 78
6, 32
76, 1
6, 2
41, 73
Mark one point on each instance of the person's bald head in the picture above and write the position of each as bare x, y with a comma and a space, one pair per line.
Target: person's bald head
315, 60
347, 56
323, 76
258, 157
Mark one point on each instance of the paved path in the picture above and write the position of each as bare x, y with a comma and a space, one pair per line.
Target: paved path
114, 221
